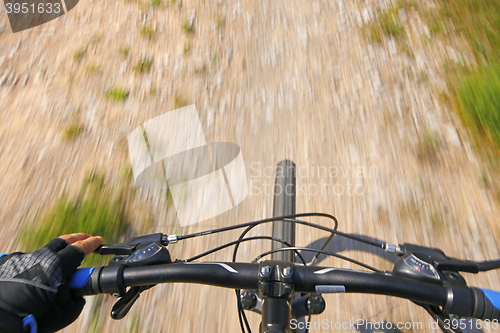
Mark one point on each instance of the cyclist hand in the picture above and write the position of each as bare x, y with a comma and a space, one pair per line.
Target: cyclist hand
34, 285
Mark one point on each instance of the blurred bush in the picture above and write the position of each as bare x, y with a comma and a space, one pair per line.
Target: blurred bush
478, 21
96, 210
477, 91
479, 100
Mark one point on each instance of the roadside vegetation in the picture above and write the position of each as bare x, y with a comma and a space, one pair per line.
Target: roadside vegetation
143, 65
117, 94
476, 91
124, 51
187, 26
474, 87
72, 131
97, 209
478, 98
428, 147
147, 31
180, 101
78, 55
386, 24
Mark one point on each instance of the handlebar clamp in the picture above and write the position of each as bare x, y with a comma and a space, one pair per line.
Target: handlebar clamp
111, 280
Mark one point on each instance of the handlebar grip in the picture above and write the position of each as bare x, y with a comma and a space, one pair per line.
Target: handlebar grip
86, 281
80, 278
486, 304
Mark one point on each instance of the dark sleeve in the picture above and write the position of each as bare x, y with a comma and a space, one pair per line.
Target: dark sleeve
9, 323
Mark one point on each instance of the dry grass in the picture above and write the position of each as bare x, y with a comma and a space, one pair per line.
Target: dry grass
179, 101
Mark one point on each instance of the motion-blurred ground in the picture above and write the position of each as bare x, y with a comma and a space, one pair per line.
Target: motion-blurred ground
282, 79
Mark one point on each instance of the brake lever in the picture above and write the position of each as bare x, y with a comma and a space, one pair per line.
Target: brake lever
129, 246
124, 304
115, 249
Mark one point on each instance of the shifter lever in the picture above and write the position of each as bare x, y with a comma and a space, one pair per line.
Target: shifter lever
124, 304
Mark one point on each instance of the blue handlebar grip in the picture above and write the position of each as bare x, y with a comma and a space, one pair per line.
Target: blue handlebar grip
80, 278
486, 304
493, 297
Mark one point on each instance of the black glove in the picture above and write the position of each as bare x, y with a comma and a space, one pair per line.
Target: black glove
36, 283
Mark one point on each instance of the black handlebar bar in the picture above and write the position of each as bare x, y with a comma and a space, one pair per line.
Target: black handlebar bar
112, 279
458, 300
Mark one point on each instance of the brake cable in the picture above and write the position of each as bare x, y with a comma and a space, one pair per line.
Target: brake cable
288, 218
322, 252
241, 312
254, 223
239, 241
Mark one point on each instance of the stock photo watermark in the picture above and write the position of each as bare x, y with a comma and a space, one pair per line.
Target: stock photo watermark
312, 179
27, 14
388, 326
205, 179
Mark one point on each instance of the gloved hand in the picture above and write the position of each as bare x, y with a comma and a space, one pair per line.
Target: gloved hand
36, 283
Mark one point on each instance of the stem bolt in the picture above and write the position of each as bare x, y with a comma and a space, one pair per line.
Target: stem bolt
264, 270
287, 271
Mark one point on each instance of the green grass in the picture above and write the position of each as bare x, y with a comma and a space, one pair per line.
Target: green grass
92, 68
435, 25
126, 172
436, 218
117, 94
187, 48
125, 51
43, 72
177, 3
98, 305
143, 65
155, 3
373, 33
179, 101
220, 21
96, 210
153, 89
389, 24
385, 25
147, 31
97, 38
187, 27
428, 146
475, 90
214, 59
478, 21
78, 55
72, 131
478, 98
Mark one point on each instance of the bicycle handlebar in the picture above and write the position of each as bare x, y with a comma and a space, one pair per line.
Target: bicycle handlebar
458, 300
454, 299
245, 276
